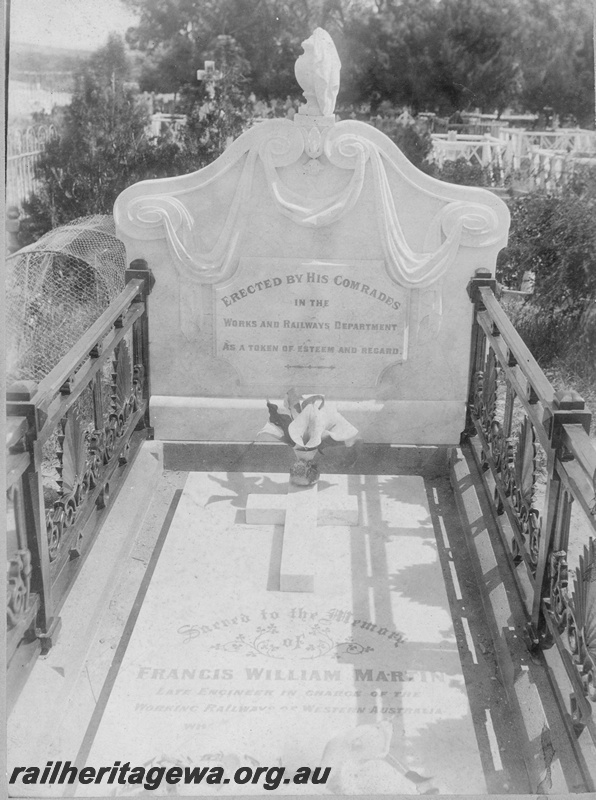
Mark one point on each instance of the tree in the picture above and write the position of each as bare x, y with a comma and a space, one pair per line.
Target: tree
554, 237
557, 52
427, 54
265, 31
169, 67
218, 110
102, 147
475, 63
447, 56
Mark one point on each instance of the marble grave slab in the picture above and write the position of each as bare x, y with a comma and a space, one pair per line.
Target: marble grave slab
223, 668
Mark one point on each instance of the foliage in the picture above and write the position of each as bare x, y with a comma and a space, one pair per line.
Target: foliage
100, 150
476, 53
218, 110
463, 172
269, 33
411, 136
103, 144
444, 56
557, 49
555, 238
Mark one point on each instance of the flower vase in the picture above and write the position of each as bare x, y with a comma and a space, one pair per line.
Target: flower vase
304, 471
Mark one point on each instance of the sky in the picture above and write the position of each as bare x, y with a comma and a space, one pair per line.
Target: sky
74, 24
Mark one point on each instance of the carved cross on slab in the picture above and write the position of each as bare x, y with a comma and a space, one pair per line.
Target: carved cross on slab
300, 511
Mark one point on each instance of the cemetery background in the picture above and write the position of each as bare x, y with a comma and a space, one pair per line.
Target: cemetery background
501, 53
580, 274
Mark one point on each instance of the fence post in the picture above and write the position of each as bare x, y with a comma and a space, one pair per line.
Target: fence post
139, 270
482, 277
570, 408
19, 403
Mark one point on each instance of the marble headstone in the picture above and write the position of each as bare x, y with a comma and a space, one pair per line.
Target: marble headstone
311, 254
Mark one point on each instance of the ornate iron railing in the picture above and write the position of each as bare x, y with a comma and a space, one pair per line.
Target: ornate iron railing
534, 447
69, 437
22, 599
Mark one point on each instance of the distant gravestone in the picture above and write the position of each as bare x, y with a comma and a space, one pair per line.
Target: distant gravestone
311, 254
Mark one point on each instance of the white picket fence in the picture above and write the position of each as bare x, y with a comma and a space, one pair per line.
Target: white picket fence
551, 169
485, 151
23, 150
548, 158
164, 124
24, 147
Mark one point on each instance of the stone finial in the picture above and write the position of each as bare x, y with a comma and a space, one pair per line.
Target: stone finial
317, 72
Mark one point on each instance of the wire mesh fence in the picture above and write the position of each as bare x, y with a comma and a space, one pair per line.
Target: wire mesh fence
55, 289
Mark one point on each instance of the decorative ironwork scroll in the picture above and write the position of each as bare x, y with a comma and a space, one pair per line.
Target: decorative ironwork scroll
559, 587
21, 602
513, 460
85, 452
18, 585
581, 619
574, 612
485, 407
66, 437
519, 480
559, 601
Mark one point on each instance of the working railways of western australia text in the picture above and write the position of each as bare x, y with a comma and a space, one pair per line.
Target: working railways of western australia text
311, 278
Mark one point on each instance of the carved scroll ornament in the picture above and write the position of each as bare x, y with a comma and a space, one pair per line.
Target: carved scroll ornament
281, 144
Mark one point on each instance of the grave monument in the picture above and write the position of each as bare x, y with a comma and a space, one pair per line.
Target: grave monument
312, 254
305, 626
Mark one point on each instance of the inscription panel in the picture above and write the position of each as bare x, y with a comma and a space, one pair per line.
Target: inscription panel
335, 324
231, 672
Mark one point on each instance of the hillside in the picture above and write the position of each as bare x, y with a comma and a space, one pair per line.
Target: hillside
26, 59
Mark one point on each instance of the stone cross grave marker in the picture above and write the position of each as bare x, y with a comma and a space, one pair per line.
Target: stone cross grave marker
300, 512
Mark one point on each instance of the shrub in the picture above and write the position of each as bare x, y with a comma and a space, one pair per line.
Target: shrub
412, 137
103, 147
462, 172
554, 237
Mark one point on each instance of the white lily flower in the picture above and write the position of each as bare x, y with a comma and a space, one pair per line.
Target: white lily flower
319, 421
306, 422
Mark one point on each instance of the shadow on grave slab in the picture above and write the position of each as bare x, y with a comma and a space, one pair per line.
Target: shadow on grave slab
365, 459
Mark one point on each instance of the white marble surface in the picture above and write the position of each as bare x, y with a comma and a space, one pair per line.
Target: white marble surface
220, 667
282, 322
335, 199
298, 565
407, 422
270, 509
